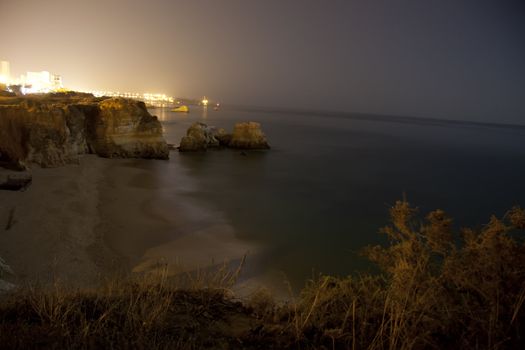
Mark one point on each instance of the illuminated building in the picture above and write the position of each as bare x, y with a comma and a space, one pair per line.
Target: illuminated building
57, 81
37, 82
5, 74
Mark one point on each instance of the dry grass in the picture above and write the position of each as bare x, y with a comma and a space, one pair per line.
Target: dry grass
438, 289
153, 312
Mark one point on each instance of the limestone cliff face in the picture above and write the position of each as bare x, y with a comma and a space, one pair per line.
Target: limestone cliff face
51, 131
126, 130
35, 134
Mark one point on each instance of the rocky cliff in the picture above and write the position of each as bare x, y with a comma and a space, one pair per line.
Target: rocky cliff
53, 130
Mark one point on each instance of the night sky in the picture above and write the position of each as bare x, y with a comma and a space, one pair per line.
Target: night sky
445, 58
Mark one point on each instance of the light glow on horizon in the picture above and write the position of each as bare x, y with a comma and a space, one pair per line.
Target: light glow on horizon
152, 98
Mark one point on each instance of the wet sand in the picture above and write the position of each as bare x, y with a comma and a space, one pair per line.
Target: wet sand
147, 223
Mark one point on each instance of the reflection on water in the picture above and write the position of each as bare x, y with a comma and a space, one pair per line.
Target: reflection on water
163, 114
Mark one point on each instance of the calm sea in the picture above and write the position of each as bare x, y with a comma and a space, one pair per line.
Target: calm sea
322, 192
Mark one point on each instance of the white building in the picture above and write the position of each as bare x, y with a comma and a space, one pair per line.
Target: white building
5, 74
32, 82
35, 82
56, 80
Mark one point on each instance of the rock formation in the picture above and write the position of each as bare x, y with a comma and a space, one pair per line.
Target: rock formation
248, 136
200, 137
125, 129
54, 129
222, 136
16, 182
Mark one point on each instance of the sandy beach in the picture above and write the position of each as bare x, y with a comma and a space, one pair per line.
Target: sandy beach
80, 224
52, 232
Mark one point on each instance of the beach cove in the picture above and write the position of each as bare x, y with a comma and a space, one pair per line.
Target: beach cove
307, 206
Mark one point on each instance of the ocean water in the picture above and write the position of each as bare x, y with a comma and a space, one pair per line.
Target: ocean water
322, 192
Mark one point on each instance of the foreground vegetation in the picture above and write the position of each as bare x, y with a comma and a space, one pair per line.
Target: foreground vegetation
438, 289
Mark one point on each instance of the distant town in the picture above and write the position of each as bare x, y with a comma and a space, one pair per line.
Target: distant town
46, 82
31, 82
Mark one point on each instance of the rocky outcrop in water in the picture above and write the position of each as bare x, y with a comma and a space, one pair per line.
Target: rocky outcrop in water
222, 136
248, 136
53, 130
200, 137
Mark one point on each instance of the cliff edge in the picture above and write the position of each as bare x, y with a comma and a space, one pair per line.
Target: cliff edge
54, 129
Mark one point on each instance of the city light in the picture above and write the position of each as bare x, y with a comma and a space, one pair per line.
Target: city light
4, 72
149, 98
31, 82
41, 82
45, 82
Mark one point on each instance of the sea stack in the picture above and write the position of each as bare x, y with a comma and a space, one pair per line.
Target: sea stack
248, 136
200, 137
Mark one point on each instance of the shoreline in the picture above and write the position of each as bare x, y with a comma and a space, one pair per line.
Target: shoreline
170, 231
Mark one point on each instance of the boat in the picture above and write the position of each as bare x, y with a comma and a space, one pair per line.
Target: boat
181, 109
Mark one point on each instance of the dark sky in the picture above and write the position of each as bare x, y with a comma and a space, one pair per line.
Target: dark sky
431, 58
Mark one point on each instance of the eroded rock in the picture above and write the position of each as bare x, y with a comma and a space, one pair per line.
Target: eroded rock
18, 182
200, 137
125, 129
222, 136
53, 130
248, 136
